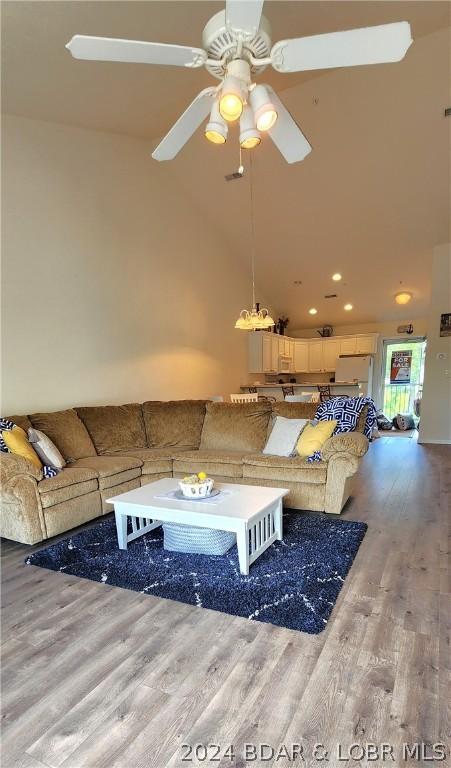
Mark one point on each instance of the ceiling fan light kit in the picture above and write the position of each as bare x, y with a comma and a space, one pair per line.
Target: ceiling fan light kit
233, 91
216, 129
265, 113
249, 136
237, 49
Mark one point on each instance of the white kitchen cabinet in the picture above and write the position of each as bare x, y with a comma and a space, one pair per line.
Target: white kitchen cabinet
275, 352
263, 351
267, 352
347, 345
306, 355
366, 345
331, 353
301, 361
291, 354
315, 356
284, 346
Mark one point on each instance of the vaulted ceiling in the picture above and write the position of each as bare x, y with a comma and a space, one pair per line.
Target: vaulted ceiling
370, 201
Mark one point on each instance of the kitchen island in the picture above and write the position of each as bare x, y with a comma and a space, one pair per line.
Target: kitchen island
273, 389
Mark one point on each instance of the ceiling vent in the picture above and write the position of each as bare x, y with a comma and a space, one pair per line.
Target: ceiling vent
330, 296
448, 112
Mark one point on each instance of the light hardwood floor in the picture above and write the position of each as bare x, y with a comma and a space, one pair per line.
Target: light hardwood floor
102, 677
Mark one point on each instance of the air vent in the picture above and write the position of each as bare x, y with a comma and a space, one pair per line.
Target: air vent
330, 296
448, 112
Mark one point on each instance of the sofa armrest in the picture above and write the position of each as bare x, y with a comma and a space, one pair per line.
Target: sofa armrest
342, 454
22, 518
351, 443
12, 466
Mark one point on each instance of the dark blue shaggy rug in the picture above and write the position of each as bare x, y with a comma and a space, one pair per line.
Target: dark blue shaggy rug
294, 584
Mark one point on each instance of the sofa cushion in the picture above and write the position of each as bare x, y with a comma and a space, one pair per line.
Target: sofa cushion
295, 410
67, 431
222, 463
174, 424
67, 484
112, 470
235, 427
284, 436
46, 449
21, 421
313, 437
17, 442
280, 468
155, 460
114, 427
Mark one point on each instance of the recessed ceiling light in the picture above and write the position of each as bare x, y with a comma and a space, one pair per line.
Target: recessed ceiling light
403, 297
313, 311
336, 277
348, 307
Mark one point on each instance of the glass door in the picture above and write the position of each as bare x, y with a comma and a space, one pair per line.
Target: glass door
403, 372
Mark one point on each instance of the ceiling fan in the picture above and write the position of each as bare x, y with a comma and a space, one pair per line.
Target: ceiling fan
237, 48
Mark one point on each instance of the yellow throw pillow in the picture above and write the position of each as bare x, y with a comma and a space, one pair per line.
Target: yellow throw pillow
17, 441
313, 437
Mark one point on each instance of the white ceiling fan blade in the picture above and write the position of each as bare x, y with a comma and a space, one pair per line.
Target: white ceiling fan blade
244, 16
185, 126
286, 134
369, 45
134, 51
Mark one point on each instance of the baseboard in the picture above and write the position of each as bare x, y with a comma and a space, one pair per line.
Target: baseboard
434, 442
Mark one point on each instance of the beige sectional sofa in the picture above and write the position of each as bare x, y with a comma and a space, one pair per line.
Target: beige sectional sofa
113, 449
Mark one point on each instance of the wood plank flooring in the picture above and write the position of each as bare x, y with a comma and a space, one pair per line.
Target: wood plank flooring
98, 677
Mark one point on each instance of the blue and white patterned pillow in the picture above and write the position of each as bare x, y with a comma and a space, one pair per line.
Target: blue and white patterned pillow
7, 424
346, 410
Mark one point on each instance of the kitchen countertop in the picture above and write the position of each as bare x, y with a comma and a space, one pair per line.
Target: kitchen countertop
304, 386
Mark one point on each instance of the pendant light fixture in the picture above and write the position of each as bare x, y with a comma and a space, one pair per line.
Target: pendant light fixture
256, 319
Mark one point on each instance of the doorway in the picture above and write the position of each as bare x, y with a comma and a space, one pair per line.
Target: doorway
403, 373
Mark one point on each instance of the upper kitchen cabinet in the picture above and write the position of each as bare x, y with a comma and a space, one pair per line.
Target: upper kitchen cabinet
315, 356
286, 346
331, 353
301, 361
366, 345
323, 355
264, 352
348, 345
271, 353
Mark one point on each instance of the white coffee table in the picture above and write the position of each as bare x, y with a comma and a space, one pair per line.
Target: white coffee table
253, 512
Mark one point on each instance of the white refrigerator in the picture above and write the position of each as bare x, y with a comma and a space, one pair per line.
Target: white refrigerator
358, 369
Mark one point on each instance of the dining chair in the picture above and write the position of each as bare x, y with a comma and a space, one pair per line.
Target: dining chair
288, 389
267, 399
248, 397
324, 392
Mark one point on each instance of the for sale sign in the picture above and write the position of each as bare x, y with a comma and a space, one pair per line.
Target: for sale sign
401, 366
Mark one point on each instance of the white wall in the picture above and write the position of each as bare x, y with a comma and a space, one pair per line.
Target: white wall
435, 425
115, 287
